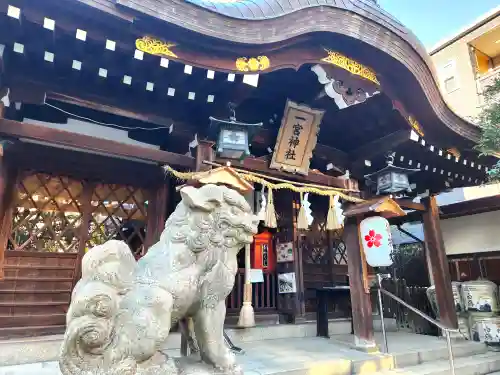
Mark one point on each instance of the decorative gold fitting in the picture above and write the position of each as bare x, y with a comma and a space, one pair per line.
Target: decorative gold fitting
350, 65
154, 46
252, 64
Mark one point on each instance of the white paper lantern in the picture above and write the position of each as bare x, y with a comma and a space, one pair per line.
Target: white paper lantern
377, 241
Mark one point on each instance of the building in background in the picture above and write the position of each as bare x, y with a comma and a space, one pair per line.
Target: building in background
468, 62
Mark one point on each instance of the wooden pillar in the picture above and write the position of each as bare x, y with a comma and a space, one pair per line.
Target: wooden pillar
438, 264
360, 299
288, 304
298, 265
157, 213
204, 152
83, 232
8, 184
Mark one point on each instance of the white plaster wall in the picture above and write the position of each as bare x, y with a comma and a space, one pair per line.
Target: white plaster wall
453, 196
468, 193
472, 234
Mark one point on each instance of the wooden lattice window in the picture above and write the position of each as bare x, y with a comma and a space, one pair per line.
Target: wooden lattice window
47, 214
339, 253
315, 243
118, 212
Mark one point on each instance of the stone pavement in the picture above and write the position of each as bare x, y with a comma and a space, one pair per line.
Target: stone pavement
310, 355
260, 358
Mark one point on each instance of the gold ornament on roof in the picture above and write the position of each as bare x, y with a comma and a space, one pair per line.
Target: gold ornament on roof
416, 126
154, 46
252, 64
350, 65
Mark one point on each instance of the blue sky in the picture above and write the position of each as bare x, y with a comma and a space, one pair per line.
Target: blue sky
433, 20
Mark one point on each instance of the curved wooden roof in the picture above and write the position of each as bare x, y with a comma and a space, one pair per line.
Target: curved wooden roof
265, 9
265, 23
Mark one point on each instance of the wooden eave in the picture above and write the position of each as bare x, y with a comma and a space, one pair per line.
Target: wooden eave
384, 48
154, 109
401, 63
384, 206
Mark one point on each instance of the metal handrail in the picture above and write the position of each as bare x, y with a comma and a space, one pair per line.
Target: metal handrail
446, 330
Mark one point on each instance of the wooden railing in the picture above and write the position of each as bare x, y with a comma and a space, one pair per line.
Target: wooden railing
264, 294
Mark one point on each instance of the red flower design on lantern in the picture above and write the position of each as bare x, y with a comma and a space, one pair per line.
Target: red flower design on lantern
373, 238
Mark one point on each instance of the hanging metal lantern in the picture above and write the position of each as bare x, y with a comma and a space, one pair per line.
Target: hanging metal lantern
233, 137
391, 179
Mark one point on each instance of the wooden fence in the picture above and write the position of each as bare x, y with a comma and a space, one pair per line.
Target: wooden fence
264, 295
407, 320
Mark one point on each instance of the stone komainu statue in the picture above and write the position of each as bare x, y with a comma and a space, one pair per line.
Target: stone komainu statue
122, 310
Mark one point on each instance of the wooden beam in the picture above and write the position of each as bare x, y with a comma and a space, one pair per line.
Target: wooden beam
150, 118
27, 94
338, 158
472, 207
37, 93
410, 205
379, 146
262, 166
87, 143
438, 264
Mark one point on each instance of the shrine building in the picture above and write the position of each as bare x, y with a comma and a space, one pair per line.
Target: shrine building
106, 103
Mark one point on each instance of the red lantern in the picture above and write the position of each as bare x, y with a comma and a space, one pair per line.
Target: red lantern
263, 256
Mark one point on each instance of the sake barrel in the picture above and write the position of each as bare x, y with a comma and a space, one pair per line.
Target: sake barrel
484, 327
455, 286
489, 331
480, 296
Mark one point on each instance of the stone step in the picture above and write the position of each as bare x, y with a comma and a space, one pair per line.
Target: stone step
306, 356
478, 364
260, 320
461, 349
46, 348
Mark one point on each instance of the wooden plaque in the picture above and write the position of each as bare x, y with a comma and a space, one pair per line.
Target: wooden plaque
297, 138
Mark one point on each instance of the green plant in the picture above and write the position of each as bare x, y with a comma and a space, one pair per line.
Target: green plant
489, 121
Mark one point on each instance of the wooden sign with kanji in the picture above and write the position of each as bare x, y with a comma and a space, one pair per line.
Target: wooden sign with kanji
297, 138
